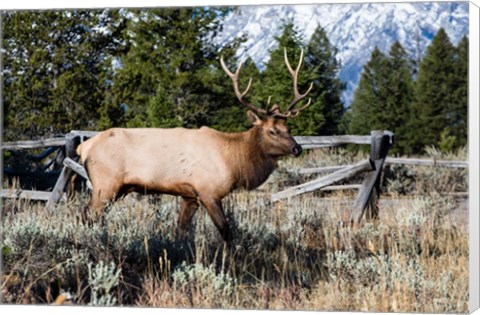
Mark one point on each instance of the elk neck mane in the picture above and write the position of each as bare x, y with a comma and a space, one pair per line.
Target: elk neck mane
250, 165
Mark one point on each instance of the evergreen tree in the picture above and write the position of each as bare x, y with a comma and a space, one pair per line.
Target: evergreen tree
399, 97
171, 51
55, 70
327, 108
384, 96
458, 113
367, 111
159, 111
277, 82
230, 115
417, 53
434, 94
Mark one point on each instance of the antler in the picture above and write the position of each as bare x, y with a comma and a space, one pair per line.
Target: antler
290, 112
239, 94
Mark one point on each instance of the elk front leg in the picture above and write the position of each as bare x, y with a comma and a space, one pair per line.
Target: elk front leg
188, 209
215, 211
102, 194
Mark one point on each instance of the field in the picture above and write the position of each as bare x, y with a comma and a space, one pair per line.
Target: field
292, 255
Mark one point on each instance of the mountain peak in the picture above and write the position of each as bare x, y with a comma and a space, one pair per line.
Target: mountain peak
354, 29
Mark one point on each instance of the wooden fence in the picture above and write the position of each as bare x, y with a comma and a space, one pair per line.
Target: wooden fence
369, 191
367, 197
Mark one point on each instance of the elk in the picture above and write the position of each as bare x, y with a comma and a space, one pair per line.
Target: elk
202, 166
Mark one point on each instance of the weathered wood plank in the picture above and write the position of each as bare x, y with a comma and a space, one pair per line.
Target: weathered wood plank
85, 133
427, 162
341, 187
323, 169
317, 146
389, 160
77, 168
70, 144
52, 142
25, 194
369, 193
323, 181
305, 141
59, 188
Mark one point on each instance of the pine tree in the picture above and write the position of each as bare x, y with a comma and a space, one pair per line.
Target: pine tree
56, 70
458, 114
367, 111
230, 115
171, 48
277, 82
327, 108
434, 94
399, 97
275, 77
384, 96
159, 111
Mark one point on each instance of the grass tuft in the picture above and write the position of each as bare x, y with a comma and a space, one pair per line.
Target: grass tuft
292, 254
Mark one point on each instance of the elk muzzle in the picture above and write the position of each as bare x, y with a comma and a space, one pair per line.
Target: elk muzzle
297, 150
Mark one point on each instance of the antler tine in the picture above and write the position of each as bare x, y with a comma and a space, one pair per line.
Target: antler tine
239, 94
296, 111
293, 73
298, 97
293, 113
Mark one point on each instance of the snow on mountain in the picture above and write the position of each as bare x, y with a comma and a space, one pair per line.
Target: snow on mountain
355, 29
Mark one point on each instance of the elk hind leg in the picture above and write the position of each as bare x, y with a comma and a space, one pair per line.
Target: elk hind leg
215, 211
71, 186
188, 209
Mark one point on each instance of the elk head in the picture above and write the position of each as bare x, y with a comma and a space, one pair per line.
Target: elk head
271, 124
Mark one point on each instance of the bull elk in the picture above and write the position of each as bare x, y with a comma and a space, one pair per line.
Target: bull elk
202, 166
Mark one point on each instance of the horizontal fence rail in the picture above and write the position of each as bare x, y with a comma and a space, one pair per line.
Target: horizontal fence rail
427, 162
85, 133
34, 144
312, 142
341, 187
49, 142
307, 142
25, 194
388, 160
315, 170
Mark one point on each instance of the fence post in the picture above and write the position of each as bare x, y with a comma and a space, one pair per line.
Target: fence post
71, 142
369, 193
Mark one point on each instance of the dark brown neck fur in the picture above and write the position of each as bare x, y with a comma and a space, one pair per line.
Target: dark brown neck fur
250, 165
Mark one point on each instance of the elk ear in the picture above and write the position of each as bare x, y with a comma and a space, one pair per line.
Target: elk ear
253, 118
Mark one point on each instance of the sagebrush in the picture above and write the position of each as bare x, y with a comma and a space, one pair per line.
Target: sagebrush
294, 255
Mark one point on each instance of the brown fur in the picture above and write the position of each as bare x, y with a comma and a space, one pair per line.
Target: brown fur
201, 165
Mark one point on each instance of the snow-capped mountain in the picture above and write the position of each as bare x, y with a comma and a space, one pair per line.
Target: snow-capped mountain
355, 29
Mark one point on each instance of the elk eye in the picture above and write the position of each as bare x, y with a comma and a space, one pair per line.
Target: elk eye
272, 132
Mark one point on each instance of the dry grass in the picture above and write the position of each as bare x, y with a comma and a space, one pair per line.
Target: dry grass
289, 255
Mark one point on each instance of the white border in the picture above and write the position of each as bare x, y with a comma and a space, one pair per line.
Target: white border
52, 4
473, 156
474, 123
